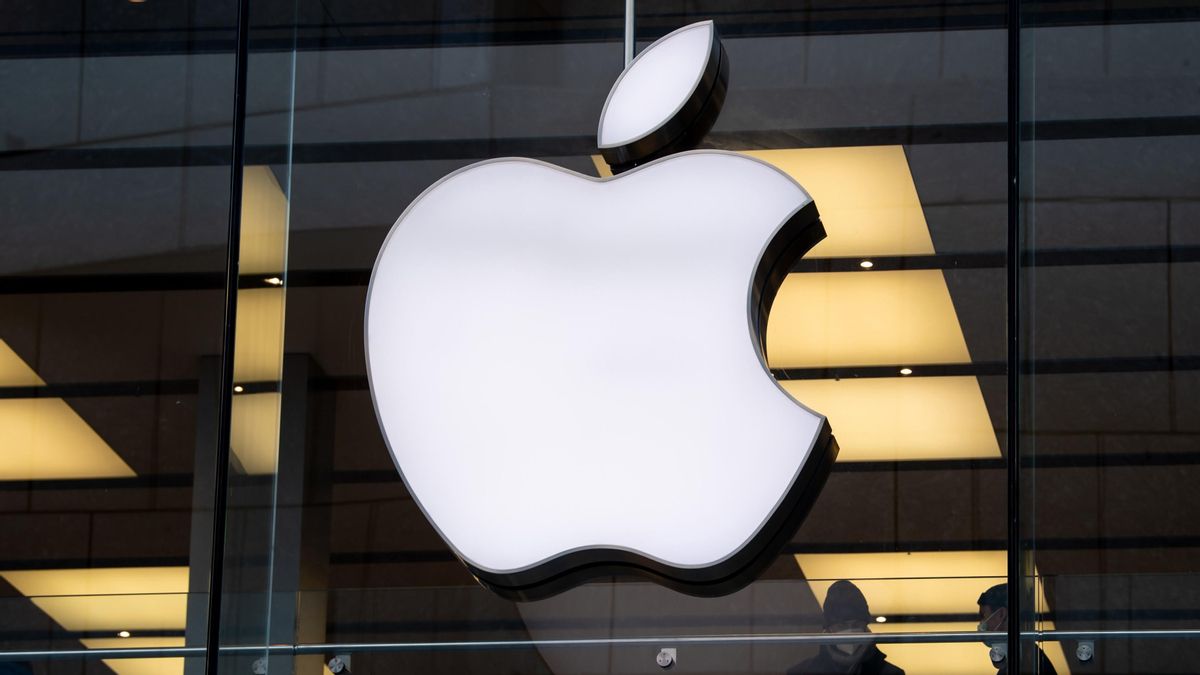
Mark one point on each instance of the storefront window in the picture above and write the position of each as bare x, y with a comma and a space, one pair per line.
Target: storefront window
194, 475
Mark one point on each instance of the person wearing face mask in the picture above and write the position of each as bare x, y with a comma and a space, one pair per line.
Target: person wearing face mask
993, 616
845, 611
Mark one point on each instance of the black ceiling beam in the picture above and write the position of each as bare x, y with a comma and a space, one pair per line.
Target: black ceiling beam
64, 158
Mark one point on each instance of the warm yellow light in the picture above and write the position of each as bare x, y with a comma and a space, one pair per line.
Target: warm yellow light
107, 598
146, 666
44, 438
929, 582
953, 658
849, 319
602, 169
264, 223
947, 658
258, 346
237, 389
254, 432
14, 372
865, 195
898, 419
924, 582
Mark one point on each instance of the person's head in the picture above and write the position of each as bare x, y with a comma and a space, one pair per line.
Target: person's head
993, 616
845, 611
993, 608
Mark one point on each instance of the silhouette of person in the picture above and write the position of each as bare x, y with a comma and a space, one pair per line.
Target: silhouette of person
993, 616
845, 611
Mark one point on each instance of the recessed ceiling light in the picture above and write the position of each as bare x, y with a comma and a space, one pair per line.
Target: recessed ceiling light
866, 264
274, 281
123, 634
881, 619
237, 389
906, 371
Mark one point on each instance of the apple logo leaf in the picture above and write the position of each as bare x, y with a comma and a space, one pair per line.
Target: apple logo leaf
569, 372
666, 100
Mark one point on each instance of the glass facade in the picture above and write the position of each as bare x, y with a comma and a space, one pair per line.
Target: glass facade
1002, 328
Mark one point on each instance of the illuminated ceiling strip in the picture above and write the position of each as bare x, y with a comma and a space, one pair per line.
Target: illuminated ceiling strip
859, 319
258, 343
254, 432
44, 438
903, 419
107, 598
172, 665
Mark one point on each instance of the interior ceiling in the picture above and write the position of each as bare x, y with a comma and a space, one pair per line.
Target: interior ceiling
39, 30
1111, 335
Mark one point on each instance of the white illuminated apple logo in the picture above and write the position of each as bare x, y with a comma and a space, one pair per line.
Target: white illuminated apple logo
568, 371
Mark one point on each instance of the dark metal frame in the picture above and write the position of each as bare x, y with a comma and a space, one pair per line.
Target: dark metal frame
225, 385
1016, 575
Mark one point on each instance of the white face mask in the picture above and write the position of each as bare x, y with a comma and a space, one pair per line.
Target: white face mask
983, 625
848, 652
999, 650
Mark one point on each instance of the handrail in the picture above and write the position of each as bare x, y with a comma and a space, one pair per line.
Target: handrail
657, 641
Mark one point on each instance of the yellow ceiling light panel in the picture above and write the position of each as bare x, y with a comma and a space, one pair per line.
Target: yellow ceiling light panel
925, 582
946, 658
864, 319
903, 583
44, 438
866, 197
14, 372
258, 342
107, 598
902, 418
147, 666
263, 242
254, 432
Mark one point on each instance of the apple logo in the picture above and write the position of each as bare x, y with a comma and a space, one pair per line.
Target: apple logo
569, 372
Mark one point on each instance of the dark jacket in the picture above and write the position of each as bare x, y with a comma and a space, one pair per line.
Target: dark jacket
874, 662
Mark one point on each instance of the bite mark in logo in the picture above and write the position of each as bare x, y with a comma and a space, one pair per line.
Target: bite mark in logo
569, 372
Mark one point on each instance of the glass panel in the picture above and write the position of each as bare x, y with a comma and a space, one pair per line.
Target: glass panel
267, 458
114, 179
900, 137
1108, 416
